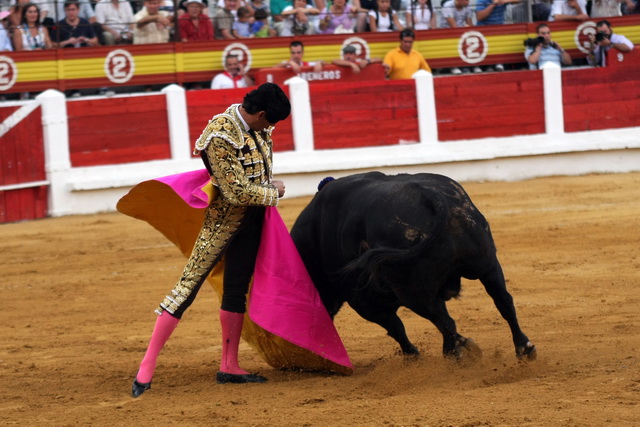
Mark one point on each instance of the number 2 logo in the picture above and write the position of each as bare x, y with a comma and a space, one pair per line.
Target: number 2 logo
8, 72
119, 66
472, 47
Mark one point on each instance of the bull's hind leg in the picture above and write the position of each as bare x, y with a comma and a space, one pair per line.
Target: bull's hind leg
453, 344
386, 317
496, 287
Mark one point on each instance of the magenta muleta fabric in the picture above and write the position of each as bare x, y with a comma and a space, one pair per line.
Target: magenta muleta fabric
283, 299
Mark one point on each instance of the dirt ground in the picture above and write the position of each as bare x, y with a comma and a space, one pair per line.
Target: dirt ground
79, 293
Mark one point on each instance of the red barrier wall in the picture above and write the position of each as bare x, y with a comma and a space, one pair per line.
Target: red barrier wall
363, 114
604, 98
329, 74
22, 161
490, 105
118, 130
204, 104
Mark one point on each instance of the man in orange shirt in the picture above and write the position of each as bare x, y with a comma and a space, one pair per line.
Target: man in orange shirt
402, 62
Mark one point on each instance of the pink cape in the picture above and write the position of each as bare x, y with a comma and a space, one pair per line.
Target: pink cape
287, 323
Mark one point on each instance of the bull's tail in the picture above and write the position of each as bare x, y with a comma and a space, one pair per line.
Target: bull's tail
377, 265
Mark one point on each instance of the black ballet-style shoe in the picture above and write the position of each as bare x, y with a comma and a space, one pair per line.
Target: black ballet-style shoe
224, 378
138, 388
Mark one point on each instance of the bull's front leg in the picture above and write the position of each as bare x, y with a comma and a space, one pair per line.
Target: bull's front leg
386, 317
496, 287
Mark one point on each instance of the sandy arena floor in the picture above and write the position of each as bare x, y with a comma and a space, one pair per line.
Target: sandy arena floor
79, 294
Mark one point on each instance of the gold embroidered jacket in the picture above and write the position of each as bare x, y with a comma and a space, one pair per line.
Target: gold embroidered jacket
242, 171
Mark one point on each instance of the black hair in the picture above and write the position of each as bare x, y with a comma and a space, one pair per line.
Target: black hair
296, 43
70, 2
24, 13
260, 14
270, 99
603, 22
407, 32
541, 26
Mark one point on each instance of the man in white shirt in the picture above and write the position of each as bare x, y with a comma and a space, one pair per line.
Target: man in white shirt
604, 40
233, 77
152, 24
116, 17
569, 10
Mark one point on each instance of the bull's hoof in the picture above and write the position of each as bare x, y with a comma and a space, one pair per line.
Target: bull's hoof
527, 352
410, 351
465, 350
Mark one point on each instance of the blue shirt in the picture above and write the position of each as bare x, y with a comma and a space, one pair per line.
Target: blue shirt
497, 14
547, 54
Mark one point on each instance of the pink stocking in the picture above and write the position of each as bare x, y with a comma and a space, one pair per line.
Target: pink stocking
165, 324
231, 325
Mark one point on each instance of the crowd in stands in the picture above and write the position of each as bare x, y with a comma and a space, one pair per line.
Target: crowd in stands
44, 24
47, 24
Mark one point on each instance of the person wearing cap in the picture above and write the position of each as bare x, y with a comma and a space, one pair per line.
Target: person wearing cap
236, 148
233, 76
195, 25
296, 61
350, 59
116, 18
5, 40
403, 61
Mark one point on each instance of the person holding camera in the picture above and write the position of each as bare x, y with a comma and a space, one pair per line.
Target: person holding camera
603, 41
542, 49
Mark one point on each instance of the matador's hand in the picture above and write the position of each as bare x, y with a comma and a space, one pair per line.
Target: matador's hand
279, 186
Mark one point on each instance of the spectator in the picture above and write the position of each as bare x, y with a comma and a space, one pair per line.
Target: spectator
403, 61
569, 10
85, 10
74, 31
31, 35
349, 59
491, 12
152, 24
259, 5
223, 21
5, 39
183, 9
605, 8
276, 7
296, 19
116, 18
15, 18
456, 14
338, 18
195, 25
242, 24
420, 16
260, 27
296, 61
603, 41
383, 18
540, 10
546, 51
630, 7
233, 77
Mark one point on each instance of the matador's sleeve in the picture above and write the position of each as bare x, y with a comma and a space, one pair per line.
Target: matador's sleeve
231, 179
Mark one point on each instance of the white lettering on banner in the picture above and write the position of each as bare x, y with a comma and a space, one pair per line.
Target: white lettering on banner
321, 75
119, 66
472, 47
8, 72
241, 51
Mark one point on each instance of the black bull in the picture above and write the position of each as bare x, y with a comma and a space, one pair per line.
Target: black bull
381, 242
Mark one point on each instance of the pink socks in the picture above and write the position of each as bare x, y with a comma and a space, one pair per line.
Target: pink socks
231, 325
165, 324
